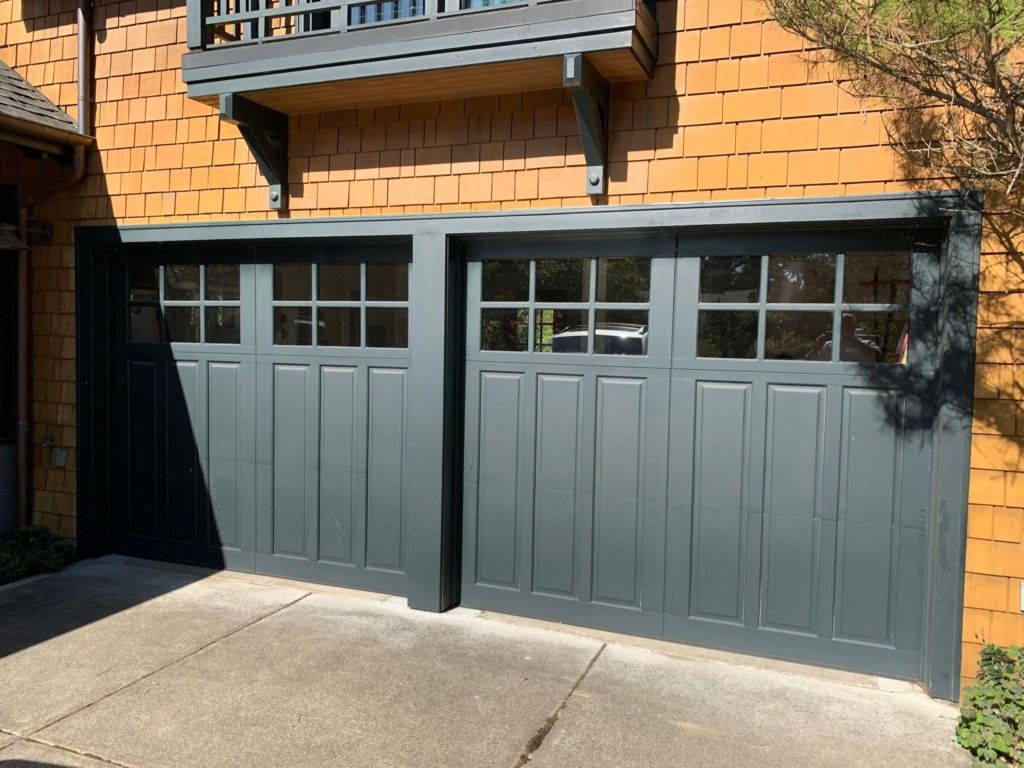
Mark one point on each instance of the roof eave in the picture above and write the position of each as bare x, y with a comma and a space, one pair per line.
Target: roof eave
42, 137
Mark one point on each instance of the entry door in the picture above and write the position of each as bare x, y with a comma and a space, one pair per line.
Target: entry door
265, 411
731, 447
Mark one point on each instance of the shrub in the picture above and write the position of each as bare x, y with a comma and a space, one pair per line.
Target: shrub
992, 716
32, 549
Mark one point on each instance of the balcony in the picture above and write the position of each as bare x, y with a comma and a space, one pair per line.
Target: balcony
313, 55
264, 60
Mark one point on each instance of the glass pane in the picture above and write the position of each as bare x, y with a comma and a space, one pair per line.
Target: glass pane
222, 282
874, 337
182, 324
877, 278
339, 327
338, 282
504, 330
143, 283
387, 281
563, 280
387, 327
181, 282
727, 334
144, 324
620, 332
293, 325
730, 279
223, 325
560, 330
802, 278
798, 336
624, 280
506, 280
293, 282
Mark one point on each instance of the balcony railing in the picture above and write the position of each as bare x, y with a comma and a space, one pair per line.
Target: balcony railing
224, 23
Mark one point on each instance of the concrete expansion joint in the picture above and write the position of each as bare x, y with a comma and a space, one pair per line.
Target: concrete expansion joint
173, 662
77, 753
542, 733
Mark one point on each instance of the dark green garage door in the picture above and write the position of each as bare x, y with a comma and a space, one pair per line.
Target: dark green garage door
727, 445
264, 410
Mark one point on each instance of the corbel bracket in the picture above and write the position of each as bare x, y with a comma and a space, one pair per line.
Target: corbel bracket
589, 91
266, 132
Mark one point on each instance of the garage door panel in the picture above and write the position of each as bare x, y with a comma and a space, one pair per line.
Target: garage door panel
722, 456
619, 472
500, 416
230, 472
795, 448
386, 468
558, 497
291, 458
142, 449
339, 492
185, 481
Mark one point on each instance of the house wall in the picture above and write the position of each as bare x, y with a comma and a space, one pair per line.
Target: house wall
736, 110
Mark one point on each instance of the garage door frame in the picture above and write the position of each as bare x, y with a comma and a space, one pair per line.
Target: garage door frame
435, 347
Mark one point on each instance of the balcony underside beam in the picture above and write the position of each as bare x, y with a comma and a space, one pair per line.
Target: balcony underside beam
589, 92
266, 132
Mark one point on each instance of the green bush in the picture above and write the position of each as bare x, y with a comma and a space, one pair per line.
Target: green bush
32, 549
992, 716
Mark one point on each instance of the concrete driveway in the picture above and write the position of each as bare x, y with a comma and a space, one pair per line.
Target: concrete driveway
125, 663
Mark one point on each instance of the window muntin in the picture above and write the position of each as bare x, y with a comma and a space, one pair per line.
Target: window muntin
184, 303
802, 302
597, 306
356, 305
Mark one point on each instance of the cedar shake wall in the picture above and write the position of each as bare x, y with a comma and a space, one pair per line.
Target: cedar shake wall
734, 111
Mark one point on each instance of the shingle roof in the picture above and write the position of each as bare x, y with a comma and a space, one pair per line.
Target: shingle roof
21, 101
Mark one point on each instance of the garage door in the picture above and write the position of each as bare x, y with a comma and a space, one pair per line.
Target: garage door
264, 410
724, 441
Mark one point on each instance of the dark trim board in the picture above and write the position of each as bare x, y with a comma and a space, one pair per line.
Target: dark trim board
440, 244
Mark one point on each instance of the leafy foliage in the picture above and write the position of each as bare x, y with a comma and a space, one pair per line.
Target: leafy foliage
992, 717
32, 549
953, 70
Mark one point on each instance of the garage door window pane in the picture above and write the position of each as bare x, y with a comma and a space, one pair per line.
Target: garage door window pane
181, 282
387, 281
506, 280
620, 332
142, 283
144, 324
876, 278
874, 337
293, 325
338, 282
223, 325
339, 327
563, 280
624, 280
293, 282
182, 324
730, 334
725, 279
798, 336
504, 330
802, 278
561, 330
222, 282
387, 327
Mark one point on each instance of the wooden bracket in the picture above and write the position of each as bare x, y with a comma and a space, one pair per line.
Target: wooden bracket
589, 91
266, 132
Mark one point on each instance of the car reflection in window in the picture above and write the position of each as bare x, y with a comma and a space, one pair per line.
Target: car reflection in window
609, 339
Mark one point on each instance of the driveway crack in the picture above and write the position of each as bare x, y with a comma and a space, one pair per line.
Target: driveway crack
170, 663
542, 733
